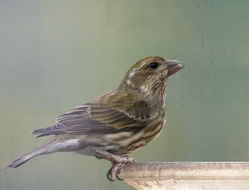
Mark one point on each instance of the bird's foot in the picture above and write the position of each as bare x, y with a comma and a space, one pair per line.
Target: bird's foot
117, 165
118, 162
122, 159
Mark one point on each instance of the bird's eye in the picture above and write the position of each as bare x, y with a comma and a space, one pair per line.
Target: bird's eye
153, 65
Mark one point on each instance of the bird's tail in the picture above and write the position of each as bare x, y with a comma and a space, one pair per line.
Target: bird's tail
43, 149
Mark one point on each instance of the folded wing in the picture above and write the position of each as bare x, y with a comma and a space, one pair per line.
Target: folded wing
99, 118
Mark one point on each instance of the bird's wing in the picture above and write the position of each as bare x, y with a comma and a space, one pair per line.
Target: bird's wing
109, 114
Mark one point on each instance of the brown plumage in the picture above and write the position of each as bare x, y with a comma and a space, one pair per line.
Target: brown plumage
117, 123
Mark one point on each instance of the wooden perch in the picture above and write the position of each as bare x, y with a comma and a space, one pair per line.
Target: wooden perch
187, 175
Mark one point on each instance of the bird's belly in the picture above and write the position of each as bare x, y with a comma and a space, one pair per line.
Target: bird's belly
132, 141
122, 142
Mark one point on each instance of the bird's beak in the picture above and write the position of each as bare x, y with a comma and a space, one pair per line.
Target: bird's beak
173, 66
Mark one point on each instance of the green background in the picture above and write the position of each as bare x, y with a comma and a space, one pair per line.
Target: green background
55, 55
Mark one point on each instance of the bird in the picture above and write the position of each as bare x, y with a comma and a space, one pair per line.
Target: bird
116, 123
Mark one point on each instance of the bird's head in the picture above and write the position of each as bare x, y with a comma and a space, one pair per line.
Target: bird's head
149, 75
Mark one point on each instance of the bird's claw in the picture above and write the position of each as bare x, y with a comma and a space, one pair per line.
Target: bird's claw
114, 171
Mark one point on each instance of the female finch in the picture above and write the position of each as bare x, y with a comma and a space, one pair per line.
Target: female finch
118, 122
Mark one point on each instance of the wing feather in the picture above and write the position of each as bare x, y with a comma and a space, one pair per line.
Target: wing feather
107, 115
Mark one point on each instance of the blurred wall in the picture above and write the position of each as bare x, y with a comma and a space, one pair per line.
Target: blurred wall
57, 54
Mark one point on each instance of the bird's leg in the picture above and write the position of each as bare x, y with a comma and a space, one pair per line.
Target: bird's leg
113, 157
118, 162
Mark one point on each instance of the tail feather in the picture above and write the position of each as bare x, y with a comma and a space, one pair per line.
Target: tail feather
26, 157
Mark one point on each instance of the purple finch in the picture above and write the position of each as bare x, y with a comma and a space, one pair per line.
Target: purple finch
118, 122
